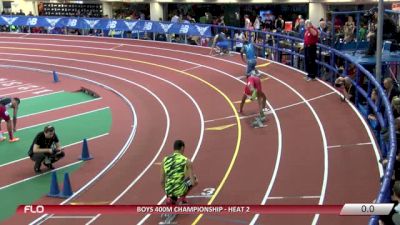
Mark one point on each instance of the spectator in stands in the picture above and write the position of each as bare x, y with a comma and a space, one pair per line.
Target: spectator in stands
310, 50
279, 24
324, 33
349, 28
239, 38
390, 32
257, 23
396, 107
21, 13
390, 89
362, 32
175, 18
247, 22
269, 24
322, 25
297, 23
221, 21
30, 13
394, 217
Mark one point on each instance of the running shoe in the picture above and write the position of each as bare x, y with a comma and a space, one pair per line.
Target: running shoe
13, 140
2, 139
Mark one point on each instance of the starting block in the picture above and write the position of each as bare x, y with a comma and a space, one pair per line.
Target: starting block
258, 122
89, 92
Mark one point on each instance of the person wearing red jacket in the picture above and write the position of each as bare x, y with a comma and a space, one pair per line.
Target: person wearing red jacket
310, 50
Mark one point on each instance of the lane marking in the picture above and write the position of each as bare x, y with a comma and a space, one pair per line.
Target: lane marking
223, 127
263, 65
118, 46
294, 197
72, 217
19, 92
90, 203
192, 68
349, 145
38, 96
52, 121
61, 107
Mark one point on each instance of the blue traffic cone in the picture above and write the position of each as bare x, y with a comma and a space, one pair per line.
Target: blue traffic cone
54, 189
85, 151
55, 76
67, 189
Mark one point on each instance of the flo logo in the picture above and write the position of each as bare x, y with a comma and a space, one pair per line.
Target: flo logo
9, 20
201, 30
130, 25
53, 22
166, 27
92, 23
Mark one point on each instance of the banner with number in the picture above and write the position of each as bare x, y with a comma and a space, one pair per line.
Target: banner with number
108, 24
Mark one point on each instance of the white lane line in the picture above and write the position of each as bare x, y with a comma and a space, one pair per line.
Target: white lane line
71, 217
52, 121
113, 48
293, 197
192, 68
15, 86
61, 107
349, 145
38, 96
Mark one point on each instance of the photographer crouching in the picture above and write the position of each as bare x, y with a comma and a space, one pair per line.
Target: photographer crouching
45, 148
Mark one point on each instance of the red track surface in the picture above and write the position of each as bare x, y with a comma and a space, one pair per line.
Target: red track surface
352, 174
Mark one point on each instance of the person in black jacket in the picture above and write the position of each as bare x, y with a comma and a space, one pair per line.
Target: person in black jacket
45, 148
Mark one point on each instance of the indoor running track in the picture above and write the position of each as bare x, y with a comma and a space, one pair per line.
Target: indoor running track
314, 150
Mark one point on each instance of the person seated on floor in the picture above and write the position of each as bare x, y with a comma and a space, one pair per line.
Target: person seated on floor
220, 44
45, 148
346, 88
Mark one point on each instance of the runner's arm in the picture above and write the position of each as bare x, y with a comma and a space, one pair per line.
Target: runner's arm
190, 172
15, 118
162, 176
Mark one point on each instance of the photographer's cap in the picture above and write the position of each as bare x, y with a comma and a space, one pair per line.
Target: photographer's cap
49, 128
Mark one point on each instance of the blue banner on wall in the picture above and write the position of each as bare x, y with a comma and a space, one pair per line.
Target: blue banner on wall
108, 24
